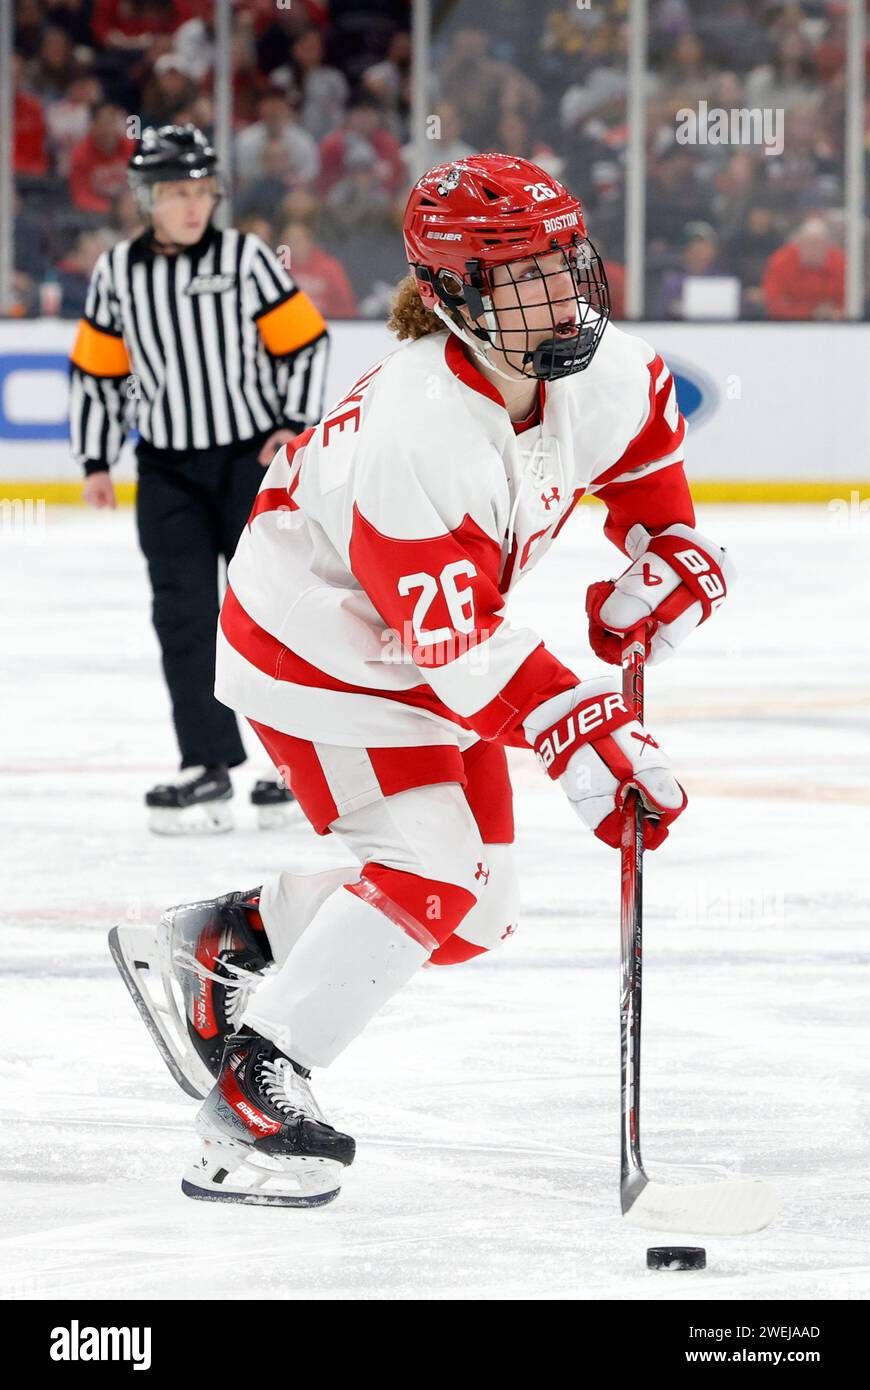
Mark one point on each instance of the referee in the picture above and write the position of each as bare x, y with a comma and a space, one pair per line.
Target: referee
200, 336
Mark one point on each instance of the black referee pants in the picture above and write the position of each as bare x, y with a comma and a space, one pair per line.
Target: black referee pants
190, 510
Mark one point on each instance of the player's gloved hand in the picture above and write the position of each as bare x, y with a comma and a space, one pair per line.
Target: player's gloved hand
588, 741
674, 583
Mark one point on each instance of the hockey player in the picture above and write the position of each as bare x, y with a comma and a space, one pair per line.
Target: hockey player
364, 634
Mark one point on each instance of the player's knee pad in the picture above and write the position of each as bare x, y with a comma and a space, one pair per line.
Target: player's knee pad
428, 909
495, 915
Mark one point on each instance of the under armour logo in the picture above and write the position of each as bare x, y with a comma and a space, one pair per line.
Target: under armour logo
509, 931
553, 497
482, 872
649, 578
646, 739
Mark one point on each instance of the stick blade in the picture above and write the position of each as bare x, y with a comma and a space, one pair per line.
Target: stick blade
710, 1209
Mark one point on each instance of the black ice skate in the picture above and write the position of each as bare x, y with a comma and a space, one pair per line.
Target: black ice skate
191, 979
198, 803
272, 801
265, 1142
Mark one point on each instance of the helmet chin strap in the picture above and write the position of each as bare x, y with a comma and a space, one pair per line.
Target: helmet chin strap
474, 344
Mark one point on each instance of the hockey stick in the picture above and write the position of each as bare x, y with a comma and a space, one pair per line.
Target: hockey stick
718, 1208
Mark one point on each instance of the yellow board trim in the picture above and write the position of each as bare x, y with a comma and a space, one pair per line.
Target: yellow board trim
849, 491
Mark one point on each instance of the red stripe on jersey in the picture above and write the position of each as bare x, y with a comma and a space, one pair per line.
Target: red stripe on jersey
539, 677
439, 594
273, 499
656, 439
270, 656
656, 500
463, 368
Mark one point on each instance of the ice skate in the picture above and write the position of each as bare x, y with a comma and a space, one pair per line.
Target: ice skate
191, 978
272, 801
198, 803
264, 1140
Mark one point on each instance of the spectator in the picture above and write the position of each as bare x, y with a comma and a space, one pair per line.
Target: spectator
98, 166
363, 133
747, 252
324, 89
120, 24
737, 188
29, 144
170, 90
54, 67
28, 260
261, 196
278, 120
72, 16
275, 41
807, 174
29, 27
476, 84
805, 278
674, 196
389, 82
514, 136
357, 218
785, 82
249, 83
686, 76
75, 269
200, 113
447, 144
321, 276
700, 256
69, 118
193, 42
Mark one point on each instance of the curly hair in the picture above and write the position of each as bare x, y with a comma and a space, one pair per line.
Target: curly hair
410, 318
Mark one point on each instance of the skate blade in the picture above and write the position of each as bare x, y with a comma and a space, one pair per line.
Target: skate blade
228, 1172
141, 955
208, 818
275, 817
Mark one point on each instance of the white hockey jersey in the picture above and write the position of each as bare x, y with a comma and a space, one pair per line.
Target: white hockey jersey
366, 599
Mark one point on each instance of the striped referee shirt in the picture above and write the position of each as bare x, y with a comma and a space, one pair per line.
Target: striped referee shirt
209, 346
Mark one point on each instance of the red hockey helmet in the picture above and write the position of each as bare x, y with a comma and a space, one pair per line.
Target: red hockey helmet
463, 220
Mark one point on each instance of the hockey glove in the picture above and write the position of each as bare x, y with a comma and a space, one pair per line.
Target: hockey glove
587, 741
675, 581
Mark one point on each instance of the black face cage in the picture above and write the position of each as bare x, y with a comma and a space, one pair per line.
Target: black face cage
558, 343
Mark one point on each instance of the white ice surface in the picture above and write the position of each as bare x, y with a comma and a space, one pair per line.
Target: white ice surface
485, 1099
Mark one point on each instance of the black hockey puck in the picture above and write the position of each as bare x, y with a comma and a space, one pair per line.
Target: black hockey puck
676, 1257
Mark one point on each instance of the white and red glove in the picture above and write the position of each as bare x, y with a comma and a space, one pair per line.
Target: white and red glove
587, 740
675, 581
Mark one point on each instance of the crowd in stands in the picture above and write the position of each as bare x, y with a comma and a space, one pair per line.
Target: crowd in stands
322, 157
